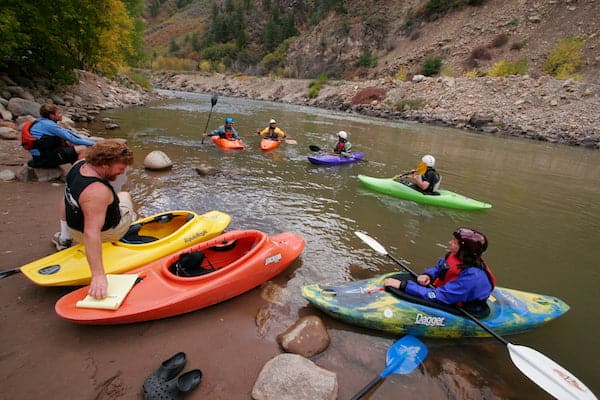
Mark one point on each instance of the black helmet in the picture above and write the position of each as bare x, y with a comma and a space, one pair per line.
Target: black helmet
472, 243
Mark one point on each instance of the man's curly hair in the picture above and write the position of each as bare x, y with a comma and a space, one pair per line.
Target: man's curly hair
109, 152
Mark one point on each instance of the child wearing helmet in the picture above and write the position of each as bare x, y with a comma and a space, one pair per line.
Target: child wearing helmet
343, 146
271, 131
461, 278
426, 182
226, 131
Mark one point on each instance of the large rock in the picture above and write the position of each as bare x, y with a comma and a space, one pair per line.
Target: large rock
28, 174
293, 377
19, 107
307, 337
157, 160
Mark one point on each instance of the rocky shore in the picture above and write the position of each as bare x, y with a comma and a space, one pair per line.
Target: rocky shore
538, 108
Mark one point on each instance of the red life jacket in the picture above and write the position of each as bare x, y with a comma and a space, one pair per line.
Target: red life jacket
228, 135
339, 147
28, 141
455, 269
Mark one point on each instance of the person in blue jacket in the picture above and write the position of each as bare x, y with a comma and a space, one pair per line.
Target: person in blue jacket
461, 278
226, 131
54, 144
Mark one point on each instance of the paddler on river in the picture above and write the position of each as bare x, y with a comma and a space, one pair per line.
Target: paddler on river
461, 278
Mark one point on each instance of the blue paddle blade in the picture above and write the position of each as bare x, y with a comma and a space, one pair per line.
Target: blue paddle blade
404, 356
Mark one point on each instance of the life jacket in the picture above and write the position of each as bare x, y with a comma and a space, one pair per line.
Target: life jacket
339, 147
455, 267
28, 141
228, 135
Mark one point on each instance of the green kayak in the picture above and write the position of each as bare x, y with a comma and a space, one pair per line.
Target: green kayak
445, 198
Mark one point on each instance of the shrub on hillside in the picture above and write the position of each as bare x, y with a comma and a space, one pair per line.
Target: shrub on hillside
500, 40
367, 95
565, 58
432, 66
480, 53
409, 104
314, 87
366, 59
505, 68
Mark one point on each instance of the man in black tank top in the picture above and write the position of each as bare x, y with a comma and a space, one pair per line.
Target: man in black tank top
94, 213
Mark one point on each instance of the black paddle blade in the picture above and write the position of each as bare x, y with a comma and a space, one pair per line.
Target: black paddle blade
9, 272
312, 147
214, 98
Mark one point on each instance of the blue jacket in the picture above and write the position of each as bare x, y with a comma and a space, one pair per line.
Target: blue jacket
220, 131
472, 284
45, 126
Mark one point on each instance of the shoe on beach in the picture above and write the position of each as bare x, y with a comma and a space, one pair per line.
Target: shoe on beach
174, 389
168, 370
61, 244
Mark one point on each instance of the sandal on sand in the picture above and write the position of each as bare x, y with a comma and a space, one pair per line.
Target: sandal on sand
176, 388
167, 371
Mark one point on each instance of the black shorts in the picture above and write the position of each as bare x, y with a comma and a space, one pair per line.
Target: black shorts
53, 158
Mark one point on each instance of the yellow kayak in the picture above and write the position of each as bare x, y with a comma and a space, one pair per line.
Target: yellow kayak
147, 240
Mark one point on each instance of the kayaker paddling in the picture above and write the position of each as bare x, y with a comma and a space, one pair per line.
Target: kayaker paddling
226, 131
272, 131
428, 181
461, 278
343, 146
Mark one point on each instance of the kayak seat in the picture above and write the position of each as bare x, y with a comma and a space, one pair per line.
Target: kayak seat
477, 309
191, 264
132, 236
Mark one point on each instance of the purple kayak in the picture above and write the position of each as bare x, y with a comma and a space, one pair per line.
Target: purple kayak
334, 159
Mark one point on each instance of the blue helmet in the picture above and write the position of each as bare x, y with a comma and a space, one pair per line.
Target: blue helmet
229, 120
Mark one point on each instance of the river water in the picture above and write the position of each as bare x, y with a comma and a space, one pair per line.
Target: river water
543, 229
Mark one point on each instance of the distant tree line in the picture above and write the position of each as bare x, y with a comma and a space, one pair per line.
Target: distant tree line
51, 38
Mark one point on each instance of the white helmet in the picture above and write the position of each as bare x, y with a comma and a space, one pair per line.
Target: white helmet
428, 160
342, 134
272, 121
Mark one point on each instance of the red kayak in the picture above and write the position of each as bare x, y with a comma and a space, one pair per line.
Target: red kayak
269, 144
223, 143
207, 273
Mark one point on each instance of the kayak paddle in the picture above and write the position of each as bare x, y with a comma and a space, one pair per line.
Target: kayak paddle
402, 358
540, 369
213, 101
421, 168
8, 272
312, 147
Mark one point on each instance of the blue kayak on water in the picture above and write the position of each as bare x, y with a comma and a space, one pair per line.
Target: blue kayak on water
365, 303
334, 159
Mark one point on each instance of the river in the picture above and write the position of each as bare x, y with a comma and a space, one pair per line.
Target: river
543, 229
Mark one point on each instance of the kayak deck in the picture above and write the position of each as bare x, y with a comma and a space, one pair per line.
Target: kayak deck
147, 239
363, 303
232, 263
445, 198
334, 159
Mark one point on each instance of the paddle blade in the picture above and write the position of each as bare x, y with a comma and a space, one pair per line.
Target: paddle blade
291, 141
372, 243
312, 147
8, 272
548, 375
404, 356
214, 98
421, 168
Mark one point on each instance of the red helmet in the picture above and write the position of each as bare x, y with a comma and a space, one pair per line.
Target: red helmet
472, 242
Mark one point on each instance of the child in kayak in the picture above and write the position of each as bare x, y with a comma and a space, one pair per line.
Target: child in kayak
461, 278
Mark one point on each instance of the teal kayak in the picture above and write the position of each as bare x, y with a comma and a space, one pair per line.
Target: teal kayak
364, 303
445, 198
